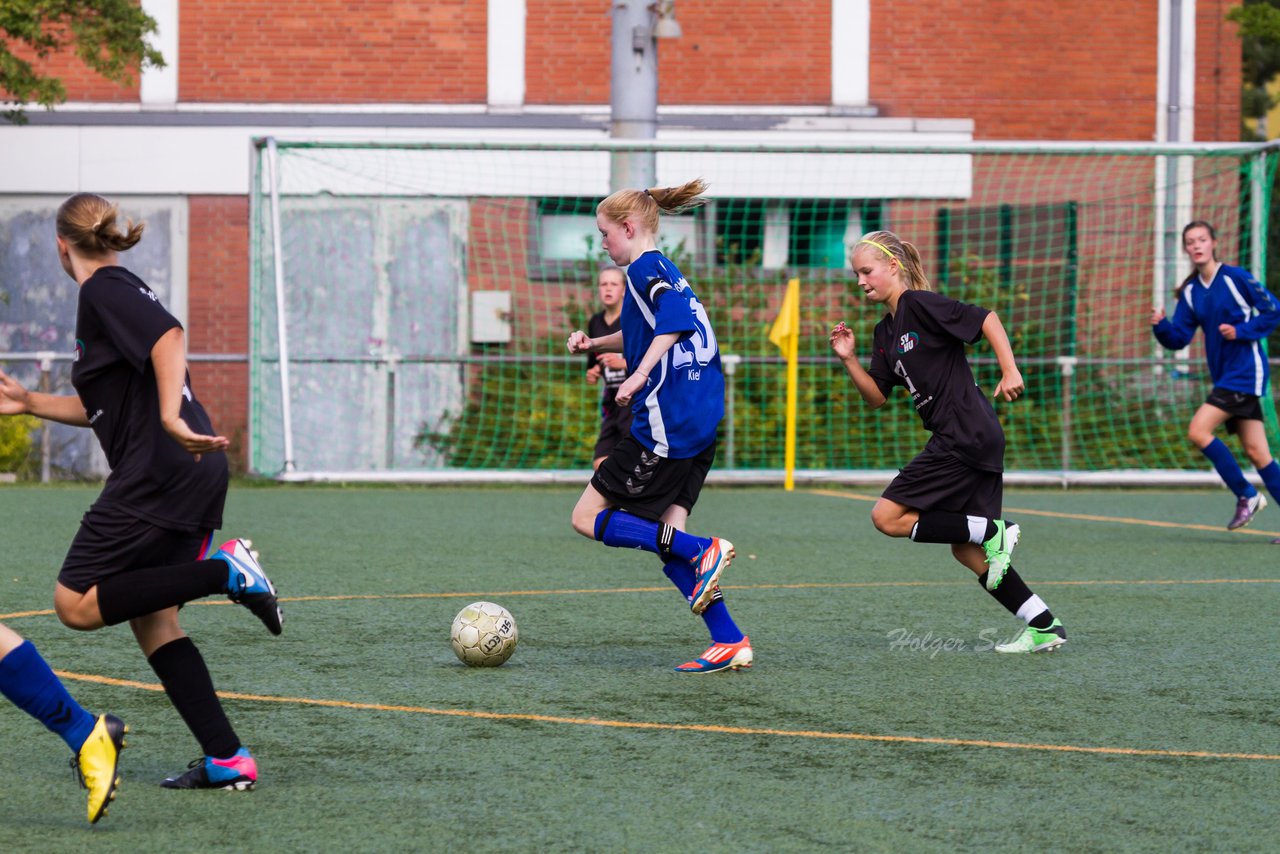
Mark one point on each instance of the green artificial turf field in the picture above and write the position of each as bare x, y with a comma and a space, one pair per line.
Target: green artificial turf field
874, 719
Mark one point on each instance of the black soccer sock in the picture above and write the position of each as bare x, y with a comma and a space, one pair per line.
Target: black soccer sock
186, 680
138, 592
1018, 599
939, 526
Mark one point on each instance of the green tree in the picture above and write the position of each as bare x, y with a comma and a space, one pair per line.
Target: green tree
1259, 22
109, 36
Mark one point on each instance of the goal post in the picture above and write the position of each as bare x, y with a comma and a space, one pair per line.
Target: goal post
410, 301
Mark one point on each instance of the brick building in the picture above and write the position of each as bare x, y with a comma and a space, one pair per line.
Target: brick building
175, 146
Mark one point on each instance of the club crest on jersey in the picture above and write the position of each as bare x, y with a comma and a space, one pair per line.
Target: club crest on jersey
908, 342
79, 349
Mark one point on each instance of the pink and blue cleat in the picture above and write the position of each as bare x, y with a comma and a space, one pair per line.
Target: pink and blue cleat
238, 773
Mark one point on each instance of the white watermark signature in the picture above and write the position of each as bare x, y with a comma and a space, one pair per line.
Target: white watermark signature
931, 644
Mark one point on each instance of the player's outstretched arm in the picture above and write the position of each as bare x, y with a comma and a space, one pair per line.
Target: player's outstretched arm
581, 342
169, 359
1010, 386
843, 345
16, 399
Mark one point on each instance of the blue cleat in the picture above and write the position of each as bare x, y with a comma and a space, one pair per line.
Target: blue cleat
720, 656
248, 585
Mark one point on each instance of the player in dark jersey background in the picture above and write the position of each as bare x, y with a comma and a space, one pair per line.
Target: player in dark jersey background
952, 492
1237, 314
641, 494
144, 546
609, 369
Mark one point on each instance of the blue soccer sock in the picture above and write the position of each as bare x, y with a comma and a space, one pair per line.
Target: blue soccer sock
1270, 475
29, 683
721, 626
620, 529
1228, 469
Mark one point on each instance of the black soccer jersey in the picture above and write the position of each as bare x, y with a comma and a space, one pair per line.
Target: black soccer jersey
118, 321
611, 377
921, 348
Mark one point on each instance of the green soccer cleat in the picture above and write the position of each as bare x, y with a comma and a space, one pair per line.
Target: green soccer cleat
999, 551
1036, 640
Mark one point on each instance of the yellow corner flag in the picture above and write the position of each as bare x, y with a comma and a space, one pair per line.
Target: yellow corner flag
785, 334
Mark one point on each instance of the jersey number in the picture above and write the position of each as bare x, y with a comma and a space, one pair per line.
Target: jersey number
700, 346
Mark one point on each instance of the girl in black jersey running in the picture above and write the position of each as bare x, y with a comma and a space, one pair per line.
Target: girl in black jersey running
145, 546
953, 490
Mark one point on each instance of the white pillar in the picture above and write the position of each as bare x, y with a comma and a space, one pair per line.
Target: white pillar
506, 53
159, 86
850, 53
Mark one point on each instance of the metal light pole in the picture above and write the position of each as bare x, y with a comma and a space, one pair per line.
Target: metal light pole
633, 86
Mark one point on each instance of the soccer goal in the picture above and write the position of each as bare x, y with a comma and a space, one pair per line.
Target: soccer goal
410, 302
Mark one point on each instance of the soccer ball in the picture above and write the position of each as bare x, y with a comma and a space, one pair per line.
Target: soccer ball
484, 635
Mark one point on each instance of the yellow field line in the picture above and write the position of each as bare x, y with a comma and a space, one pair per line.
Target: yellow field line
1083, 517
799, 585
712, 729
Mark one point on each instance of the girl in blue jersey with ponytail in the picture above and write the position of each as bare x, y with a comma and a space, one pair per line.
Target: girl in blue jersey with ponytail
642, 493
1237, 314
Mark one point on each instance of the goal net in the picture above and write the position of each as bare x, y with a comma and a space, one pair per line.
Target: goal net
410, 302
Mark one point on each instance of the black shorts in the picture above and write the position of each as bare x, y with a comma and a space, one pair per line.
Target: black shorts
111, 542
1240, 406
614, 424
935, 480
641, 482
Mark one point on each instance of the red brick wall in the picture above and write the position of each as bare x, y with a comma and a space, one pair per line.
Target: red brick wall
753, 53
81, 83
1218, 73
567, 50
218, 311
1079, 70
333, 51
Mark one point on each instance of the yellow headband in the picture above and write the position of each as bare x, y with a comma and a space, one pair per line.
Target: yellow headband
882, 248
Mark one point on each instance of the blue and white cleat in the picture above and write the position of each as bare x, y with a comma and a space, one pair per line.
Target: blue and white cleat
720, 656
713, 561
248, 585
239, 773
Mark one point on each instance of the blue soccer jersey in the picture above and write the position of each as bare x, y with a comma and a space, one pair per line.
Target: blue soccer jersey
1235, 297
678, 411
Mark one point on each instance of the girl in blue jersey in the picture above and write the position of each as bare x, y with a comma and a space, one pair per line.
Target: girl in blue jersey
1236, 313
145, 545
641, 494
952, 492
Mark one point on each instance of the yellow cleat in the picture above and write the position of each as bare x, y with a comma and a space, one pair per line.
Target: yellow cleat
98, 763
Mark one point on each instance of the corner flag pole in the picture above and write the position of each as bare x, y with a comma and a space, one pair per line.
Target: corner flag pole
785, 334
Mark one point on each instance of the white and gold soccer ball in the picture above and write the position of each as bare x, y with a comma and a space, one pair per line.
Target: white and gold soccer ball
484, 635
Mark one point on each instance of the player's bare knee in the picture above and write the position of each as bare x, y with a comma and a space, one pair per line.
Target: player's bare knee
584, 524
887, 522
76, 617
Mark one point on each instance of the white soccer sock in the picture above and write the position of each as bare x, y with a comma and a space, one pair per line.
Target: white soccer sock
977, 529
1032, 608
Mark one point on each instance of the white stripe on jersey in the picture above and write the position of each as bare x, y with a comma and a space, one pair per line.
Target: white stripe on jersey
640, 304
1249, 313
656, 425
